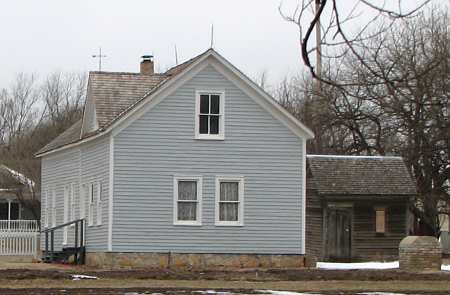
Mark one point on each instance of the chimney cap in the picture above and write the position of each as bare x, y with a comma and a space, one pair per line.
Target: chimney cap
147, 57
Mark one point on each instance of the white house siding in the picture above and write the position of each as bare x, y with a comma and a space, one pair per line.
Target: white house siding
160, 144
87, 163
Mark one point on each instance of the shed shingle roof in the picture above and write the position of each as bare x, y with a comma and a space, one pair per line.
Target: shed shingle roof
353, 175
114, 94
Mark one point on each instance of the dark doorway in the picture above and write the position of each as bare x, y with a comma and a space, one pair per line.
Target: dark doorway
339, 233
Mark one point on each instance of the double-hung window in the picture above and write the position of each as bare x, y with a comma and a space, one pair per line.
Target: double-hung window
99, 203
229, 201
53, 208
91, 205
187, 200
209, 121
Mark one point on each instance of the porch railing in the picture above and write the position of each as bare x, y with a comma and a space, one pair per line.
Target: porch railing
19, 243
19, 226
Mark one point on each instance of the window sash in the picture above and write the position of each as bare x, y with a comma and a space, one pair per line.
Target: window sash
99, 203
53, 208
229, 208
192, 213
209, 124
91, 205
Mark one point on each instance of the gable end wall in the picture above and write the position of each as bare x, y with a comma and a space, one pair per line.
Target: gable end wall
160, 144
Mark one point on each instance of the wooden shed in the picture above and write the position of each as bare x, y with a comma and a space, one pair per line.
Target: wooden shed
357, 207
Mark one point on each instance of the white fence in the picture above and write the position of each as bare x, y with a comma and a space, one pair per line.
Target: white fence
19, 237
19, 225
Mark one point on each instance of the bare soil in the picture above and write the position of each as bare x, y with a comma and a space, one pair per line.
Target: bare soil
227, 275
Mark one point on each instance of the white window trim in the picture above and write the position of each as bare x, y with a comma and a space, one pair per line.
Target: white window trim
53, 208
199, 181
98, 199
240, 180
221, 135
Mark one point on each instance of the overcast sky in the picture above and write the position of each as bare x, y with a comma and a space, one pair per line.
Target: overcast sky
57, 35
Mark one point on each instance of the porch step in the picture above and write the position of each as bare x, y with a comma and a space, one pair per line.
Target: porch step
65, 254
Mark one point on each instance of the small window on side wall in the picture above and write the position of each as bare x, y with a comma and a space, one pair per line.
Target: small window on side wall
209, 117
380, 220
187, 200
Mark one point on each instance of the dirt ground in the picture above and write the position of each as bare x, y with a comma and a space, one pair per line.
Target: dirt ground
57, 279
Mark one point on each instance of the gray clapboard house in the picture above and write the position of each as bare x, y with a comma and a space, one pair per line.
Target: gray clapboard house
193, 166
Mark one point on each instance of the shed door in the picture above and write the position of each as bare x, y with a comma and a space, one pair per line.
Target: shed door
339, 233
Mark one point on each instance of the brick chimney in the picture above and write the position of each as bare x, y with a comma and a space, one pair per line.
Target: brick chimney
147, 65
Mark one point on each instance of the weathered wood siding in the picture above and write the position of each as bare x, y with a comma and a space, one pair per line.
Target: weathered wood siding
366, 242
314, 223
88, 163
160, 144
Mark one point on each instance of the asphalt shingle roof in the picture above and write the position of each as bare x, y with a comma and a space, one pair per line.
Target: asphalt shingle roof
353, 175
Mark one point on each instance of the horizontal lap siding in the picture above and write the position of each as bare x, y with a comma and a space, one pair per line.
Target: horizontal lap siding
95, 168
161, 144
58, 171
81, 165
366, 242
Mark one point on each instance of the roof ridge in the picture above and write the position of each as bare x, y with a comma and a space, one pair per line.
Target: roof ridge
352, 157
125, 73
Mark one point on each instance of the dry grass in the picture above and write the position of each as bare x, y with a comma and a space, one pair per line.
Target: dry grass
392, 286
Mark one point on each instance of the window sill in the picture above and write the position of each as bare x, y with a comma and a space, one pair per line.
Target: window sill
181, 223
232, 224
209, 137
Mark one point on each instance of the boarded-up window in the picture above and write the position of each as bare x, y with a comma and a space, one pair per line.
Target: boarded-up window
380, 220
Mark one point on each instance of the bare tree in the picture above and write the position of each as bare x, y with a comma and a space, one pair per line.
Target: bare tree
334, 22
400, 106
31, 114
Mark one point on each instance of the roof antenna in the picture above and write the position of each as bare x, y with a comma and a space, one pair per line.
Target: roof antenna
99, 56
176, 55
212, 36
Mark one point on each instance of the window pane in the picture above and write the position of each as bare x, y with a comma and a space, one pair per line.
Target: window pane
229, 191
228, 211
187, 211
204, 104
214, 104
187, 190
203, 124
214, 125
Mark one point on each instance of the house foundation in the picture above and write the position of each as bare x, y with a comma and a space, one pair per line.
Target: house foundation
114, 260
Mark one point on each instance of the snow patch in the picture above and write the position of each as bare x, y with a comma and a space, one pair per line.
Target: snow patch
358, 265
83, 277
445, 267
380, 293
273, 292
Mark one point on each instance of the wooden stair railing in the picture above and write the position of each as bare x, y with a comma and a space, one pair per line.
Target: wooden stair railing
78, 250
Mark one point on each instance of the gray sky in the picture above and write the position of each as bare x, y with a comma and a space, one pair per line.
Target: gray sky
58, 35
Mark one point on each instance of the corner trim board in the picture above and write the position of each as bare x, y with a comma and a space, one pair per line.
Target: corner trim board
303, 245
110, 191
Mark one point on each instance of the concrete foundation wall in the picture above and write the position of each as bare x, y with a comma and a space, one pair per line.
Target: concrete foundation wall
198, 261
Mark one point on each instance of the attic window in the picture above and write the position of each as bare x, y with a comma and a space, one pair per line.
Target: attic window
209, 117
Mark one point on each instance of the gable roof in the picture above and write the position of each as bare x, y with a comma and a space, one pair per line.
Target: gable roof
117, 95
9, 179
360, 175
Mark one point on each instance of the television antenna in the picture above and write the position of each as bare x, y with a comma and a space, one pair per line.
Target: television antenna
99, 56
